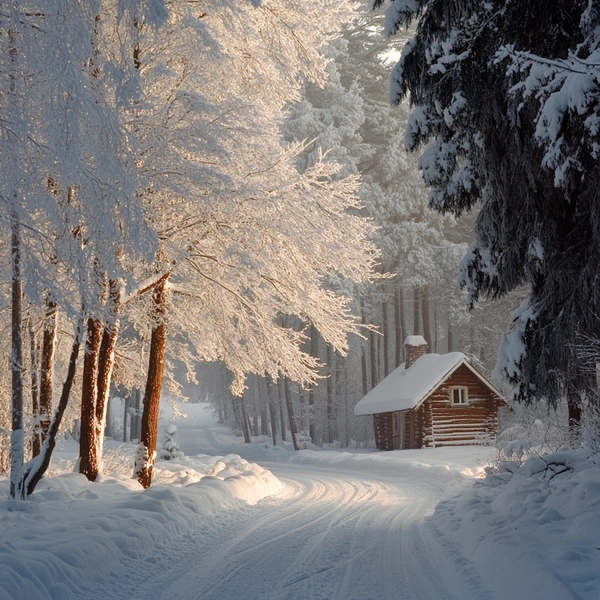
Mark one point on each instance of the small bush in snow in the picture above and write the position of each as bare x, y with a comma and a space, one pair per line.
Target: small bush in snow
170, 447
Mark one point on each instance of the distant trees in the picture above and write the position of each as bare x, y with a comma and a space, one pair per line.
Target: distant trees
505, 102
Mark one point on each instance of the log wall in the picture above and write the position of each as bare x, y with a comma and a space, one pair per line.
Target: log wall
383, 431
451, 425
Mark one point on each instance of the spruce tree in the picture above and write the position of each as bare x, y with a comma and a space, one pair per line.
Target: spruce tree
496, 137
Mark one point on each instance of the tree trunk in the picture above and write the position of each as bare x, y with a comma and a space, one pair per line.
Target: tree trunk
450, 337
106, 361
125, 415
290, 409
400, 325
314, 352
146, 450
280, 395
244, 420
36, 468
363, 354
574, 407
47, 367
272, 409
425, 316
36, 436
373, 357
386, 333
88, 441
17, 439
416, 311
330, 392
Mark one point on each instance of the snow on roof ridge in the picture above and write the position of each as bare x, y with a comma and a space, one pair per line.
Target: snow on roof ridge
415, 340
405, 388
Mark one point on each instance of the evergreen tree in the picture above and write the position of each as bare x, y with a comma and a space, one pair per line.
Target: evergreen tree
471, 71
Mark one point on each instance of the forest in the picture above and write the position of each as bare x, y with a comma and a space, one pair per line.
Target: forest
213, 200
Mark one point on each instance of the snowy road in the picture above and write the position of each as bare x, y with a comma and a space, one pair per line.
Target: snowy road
331, 534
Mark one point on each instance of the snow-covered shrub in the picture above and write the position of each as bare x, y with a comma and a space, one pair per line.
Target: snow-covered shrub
544, 428
303, 440
170, 447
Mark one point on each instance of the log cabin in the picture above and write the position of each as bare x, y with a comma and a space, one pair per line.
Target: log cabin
432, 400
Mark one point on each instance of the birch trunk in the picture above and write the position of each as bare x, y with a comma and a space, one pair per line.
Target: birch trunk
146, 450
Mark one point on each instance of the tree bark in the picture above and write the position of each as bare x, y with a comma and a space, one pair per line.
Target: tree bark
88, 442
146, 450
450, 337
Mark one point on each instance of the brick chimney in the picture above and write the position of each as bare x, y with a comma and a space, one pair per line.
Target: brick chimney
415, 346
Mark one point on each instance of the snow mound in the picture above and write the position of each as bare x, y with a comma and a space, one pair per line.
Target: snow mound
533, 528
73, 533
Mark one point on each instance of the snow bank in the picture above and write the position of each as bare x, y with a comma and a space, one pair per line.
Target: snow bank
446, 463
73, 533
534, 528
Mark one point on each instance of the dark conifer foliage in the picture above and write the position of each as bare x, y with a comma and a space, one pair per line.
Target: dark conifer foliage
493, 106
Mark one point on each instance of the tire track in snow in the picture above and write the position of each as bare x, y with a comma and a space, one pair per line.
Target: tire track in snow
330, 535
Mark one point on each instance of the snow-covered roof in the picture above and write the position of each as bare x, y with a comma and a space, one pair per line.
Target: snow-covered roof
405, 388
415, 340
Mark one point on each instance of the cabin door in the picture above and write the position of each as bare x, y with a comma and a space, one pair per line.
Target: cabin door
398, 430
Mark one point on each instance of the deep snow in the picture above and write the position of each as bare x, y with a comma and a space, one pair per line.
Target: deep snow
416, 524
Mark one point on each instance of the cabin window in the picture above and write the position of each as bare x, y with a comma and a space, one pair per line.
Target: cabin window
458, 396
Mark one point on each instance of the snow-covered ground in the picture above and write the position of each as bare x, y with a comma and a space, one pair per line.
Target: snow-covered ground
307, 525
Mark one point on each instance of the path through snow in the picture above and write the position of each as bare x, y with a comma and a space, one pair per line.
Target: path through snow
334, 533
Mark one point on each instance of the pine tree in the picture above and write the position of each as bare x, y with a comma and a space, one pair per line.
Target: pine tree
471, 71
